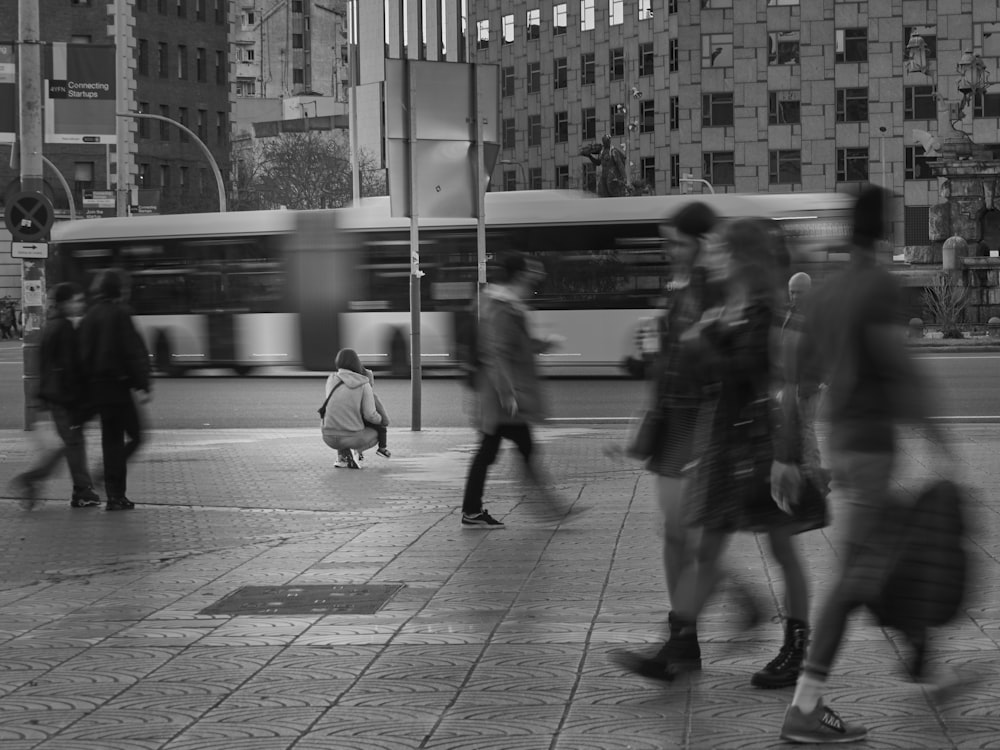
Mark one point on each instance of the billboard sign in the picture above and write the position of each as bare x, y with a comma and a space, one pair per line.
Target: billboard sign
80, 96
8, 93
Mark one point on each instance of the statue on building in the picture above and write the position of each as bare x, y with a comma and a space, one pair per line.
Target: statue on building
612, 182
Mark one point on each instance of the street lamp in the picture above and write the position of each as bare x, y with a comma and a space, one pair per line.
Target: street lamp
975, 79
520, 167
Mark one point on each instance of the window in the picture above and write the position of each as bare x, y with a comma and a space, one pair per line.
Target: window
717, 50
298, 41
507, 26
143, 123
246, 87
782, 2
161, 7
929, 36
143, 178
852, 45
165, 175
587, 69
986, 105
588, 172
220, 127
559, 19
618, 114
917, 167
852, 165
220, 11
534, 77
534, 19
83, 176
81, 39
164, 126
246, 54
719, 167
483, 34
298, 75
672, 6
647, 168
785, 167
182, 118
141, 6
142, 57
509, 180
645, 10
182, 62
716, 110
559, 69
562, 177
852, 105
783, 107
916, 225
708, 4
783, 48
247, 19
199, 9
508, 131
586, 15
220, 67
589, 119
616, 64
534, 130
617, 12
201, 65
675, 112
162, 60
182, 8
296, 6
535, 178
203, 125
562, 127
507, 81
675, 163
646, 59
919, 103
647, 116
674, 56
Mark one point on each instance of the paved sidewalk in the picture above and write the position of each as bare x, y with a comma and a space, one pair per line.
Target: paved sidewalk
496, 640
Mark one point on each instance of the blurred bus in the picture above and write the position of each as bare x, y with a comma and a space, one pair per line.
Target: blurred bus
249, 289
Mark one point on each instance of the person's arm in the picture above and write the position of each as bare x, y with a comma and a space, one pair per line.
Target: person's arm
368, 411
134, 352
500, 341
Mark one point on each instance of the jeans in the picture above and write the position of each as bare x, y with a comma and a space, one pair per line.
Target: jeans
475, 483
868, 545
121, 436
74, 448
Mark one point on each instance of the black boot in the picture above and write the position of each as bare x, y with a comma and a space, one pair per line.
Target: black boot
783, 670
681, 653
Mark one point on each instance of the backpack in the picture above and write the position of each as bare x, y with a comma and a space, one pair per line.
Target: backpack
926, 584
467, 345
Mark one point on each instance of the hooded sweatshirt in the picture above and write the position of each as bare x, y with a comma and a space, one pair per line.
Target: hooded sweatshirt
352, 401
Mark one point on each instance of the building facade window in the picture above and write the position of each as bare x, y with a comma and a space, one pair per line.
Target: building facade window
559, 19
986, 105
785, 167
675, 168
919, 103
588, 175
783, 48
618, 115
719, 167
298, 75
534, 77
589, 120
672, 6
675, 112
534, 130
562, 177
143, 178
647, 170
851, 45
182, 8
199, 10
298, 41
164, 126
616, 64
162, 60
509, 180
561, 127
201, 64
647, 59
507, 81
83, 176
535, 178
182, 62
645, 10
915, 225
783, 107
674, 56
928, 34
246, 87
220, 67
142, 57
182, 118
586, 15
203, 125
534, 24
647, 116
616, 12
587, 68
852, 105
716, 110
220, 128
507, 29
559, 73
917, 166
142, 124
852, 165
508, 133
483, 34
165, 175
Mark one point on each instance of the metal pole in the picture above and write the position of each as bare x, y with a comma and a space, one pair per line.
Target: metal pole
480, 185
208, 154
29, 72
65, 187
411, 104
352, 104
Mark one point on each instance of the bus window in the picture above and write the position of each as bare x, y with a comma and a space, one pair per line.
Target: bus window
257, 290
160, 293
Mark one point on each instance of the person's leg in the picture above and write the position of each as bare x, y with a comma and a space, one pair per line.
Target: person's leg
475, 482
132, 425
75, 444
113, 450
676, 533
784, 669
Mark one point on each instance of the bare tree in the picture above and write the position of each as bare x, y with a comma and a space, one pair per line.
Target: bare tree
946, 301
300, 171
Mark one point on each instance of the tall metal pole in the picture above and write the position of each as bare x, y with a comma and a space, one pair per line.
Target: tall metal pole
123, 142
352, 103
415, 373
30, 142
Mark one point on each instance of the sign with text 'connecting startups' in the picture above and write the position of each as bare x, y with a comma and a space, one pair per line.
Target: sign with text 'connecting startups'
8, 93
80, 96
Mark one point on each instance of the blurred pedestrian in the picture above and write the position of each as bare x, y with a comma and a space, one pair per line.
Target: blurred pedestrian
116, 364
61, 390
677, 396
873, 387
508, 385
352, 420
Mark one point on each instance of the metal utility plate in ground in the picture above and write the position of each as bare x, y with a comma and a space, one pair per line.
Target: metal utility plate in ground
346, 599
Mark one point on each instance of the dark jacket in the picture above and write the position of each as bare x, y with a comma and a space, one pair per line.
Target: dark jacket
115, 359
61, 378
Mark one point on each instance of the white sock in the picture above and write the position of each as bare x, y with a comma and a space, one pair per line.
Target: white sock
808, 692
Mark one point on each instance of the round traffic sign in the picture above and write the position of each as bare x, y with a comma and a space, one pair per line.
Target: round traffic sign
28, 216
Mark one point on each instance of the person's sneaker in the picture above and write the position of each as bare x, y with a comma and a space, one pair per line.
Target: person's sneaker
346, 461
119, 503
85, 498
25, 490
360, 459
384, 453
675, 658
481, 520
820, 726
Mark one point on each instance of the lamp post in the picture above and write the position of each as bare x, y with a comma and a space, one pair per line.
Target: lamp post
520, 168
208, 154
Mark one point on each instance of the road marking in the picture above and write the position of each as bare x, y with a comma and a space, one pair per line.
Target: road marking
958, 356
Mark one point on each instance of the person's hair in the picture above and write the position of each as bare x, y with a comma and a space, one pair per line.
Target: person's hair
108, 283
65, 291
869, 216
348, 359
751, 249
695, 219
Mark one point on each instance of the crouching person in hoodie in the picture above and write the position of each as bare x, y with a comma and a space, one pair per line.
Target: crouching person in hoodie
350, 405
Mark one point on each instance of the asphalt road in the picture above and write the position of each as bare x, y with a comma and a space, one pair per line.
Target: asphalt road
966, 387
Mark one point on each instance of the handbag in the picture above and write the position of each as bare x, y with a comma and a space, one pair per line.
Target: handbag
322, 409
646, 437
